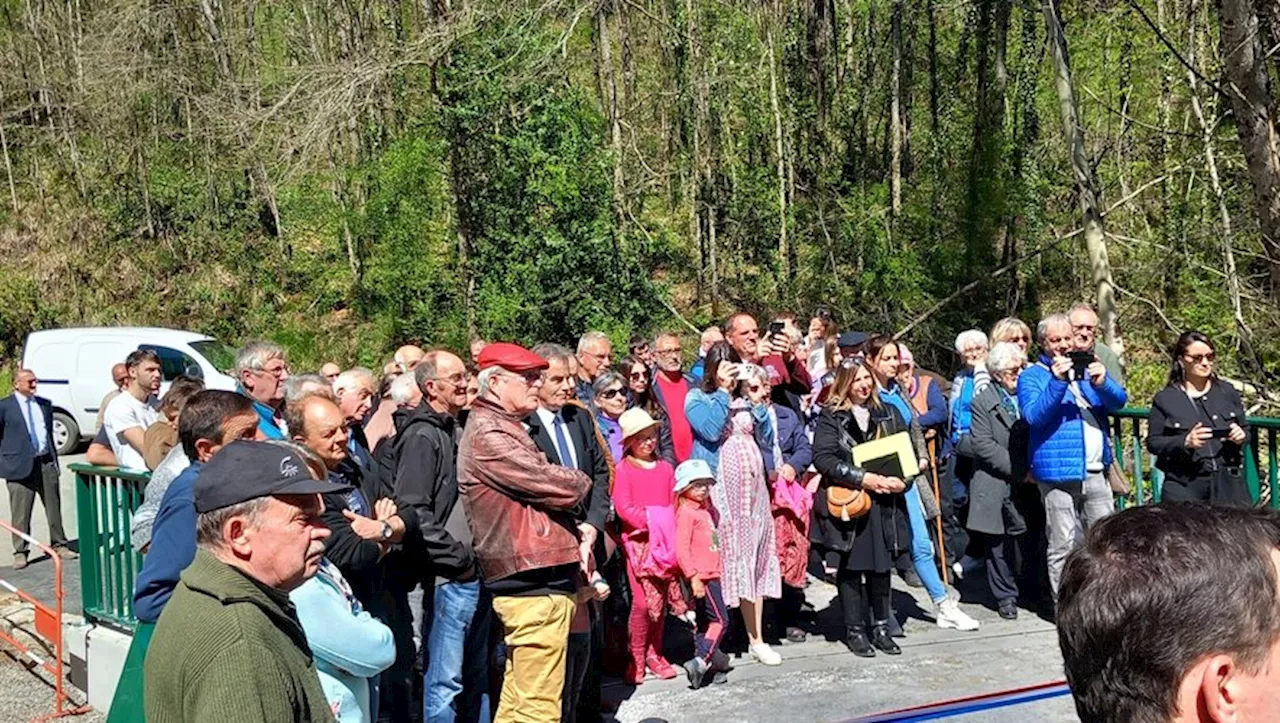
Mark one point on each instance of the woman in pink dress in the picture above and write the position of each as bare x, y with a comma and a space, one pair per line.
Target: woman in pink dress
749, 551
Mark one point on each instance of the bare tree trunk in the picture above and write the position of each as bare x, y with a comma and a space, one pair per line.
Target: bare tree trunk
1211, 162
895, 109
784, 252
609, 78
1244, 64
8, 164
1095, 241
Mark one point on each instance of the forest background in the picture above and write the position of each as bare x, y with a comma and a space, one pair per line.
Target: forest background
345, 175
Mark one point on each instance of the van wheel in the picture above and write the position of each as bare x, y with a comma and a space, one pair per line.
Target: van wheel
66, 433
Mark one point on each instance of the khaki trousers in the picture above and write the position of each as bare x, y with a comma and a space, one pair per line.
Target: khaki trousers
536, 631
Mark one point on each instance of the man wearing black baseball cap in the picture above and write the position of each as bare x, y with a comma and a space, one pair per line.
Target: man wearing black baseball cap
228, 645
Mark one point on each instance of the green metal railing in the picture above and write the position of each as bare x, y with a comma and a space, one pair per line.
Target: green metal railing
1129, 439
105, 500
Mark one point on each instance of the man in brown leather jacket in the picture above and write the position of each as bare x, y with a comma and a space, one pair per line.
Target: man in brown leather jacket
520, 508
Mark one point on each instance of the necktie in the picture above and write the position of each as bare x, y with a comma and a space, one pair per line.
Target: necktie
31, 426
562, 443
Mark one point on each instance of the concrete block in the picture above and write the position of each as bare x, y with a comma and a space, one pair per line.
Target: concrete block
75, 640
106, 652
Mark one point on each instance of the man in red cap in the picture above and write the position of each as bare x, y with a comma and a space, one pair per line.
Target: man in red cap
520, 506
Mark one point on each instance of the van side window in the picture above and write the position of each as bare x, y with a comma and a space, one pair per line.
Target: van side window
174, 363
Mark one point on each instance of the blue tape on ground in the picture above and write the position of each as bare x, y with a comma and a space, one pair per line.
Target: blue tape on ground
948, 709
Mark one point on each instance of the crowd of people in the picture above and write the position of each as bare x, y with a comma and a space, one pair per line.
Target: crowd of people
557, 509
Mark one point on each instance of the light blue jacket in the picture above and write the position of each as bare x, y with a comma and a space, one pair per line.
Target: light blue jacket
708, 414
349, 644
1057, 428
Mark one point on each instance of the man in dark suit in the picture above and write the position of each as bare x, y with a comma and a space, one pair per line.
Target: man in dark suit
567, 435
29, 463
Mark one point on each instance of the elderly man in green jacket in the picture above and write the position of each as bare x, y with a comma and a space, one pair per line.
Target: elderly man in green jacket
229, 646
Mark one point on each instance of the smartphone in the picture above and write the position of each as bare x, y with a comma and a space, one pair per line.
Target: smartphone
1220, 433
1080, 361
775, 328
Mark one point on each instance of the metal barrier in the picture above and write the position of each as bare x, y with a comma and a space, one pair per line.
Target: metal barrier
106, 498
48, 623
1129, 440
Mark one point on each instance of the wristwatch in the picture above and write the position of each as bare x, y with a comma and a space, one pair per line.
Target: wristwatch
386, 531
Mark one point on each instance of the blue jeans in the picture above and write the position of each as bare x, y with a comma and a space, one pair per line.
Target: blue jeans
922, 547
455, 685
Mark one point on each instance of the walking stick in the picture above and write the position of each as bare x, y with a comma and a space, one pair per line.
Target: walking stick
937, 495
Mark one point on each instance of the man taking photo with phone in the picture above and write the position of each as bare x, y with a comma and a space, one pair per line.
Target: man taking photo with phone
1069, 450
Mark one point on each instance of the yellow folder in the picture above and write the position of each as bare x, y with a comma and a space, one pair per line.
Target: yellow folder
891, 456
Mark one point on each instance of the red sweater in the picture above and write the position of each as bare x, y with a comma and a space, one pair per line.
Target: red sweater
673, 393
635, 488
697, 544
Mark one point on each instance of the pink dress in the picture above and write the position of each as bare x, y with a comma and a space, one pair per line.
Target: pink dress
749, 552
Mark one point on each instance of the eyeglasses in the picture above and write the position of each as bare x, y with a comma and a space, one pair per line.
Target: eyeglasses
668, 351
1018, 338
854, 361
530, 377
279, 371
637, 375
1201, 358
610, 393
754, 387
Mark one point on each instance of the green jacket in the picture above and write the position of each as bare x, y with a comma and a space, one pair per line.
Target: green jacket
227, 648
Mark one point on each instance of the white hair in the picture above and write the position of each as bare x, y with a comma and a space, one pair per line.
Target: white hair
485, 380
300, 386
1005, 356
756, 372
402, 389
1050, 321
353, 379
255, 355
968, 338
590, 339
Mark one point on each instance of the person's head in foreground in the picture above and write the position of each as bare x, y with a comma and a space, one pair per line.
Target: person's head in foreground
1172, 613
259, 511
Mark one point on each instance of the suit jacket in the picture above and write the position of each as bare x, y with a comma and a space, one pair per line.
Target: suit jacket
17, 456
593, 459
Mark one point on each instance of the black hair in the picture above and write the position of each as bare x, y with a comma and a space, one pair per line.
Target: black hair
1148, 595
205, 415
137, 356
719, 353
1186, 339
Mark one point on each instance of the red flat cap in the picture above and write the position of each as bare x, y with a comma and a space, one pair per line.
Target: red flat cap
511, 357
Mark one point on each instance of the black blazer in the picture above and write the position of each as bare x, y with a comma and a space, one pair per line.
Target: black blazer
1173, 414
17, 456
592, 458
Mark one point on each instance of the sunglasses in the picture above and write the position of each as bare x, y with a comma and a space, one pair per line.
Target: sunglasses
754, 387
610, 393
637, 375
853, 361
1201, 358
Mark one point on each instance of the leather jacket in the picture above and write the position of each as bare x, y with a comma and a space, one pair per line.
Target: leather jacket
519, 505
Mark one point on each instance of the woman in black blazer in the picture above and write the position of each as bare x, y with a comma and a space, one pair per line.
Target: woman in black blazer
1198, 430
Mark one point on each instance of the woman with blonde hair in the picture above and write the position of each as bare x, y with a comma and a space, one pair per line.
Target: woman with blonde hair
865, 545
1012, 330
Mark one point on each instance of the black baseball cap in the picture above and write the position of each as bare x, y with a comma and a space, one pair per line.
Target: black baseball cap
246, 470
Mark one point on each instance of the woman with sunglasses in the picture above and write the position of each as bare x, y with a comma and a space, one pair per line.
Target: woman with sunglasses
610, 401
1197, 429
866, 546
640, 395
1012, 330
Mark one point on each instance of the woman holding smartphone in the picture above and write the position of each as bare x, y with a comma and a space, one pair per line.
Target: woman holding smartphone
1197, 429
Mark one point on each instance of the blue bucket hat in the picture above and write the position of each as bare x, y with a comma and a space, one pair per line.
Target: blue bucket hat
691, 471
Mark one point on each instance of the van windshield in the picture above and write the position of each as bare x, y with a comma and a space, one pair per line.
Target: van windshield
221, 356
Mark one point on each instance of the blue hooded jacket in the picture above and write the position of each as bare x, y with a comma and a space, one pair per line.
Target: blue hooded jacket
1057, 428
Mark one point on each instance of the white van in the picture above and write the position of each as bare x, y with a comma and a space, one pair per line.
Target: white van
73, 367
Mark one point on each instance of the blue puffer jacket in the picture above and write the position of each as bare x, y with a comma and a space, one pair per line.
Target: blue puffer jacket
1057, 430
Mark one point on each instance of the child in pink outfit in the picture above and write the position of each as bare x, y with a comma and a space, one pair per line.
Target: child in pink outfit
642, 496
698, 551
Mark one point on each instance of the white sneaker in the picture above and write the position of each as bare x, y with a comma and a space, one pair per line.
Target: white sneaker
950, 615
765, 654
965, 566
